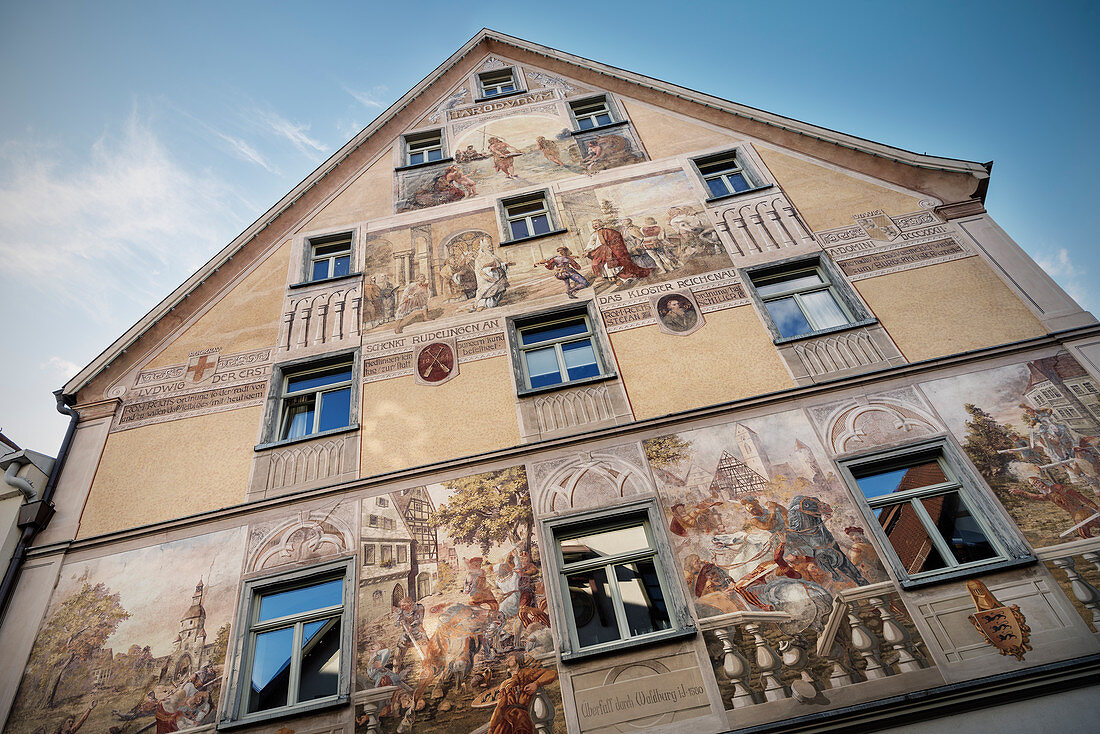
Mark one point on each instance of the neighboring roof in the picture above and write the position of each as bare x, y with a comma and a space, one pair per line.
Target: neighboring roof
219, 272
1063, 366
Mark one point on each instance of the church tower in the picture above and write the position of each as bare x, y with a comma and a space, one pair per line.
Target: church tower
752, 451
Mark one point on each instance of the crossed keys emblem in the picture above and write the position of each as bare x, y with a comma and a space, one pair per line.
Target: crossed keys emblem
436, 362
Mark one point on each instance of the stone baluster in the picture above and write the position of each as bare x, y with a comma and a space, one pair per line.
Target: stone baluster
370, 711
793, 650
769, 663
867, 645
896, 636
542, 713
842, 673
1085, 592
736, 667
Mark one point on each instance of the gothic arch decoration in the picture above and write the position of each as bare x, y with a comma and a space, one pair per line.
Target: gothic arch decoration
589, 480
877, 420
461, 243
308, 536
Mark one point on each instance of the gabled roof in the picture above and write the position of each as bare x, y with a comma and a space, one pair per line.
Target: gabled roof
948, 179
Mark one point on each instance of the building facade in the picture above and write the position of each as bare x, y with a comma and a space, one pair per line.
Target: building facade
563, 399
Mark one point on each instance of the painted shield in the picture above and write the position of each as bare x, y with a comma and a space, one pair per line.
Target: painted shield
1004, 629
435, 363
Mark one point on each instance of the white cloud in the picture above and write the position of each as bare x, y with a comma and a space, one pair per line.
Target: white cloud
114, 232
246, 151
63, 368
1073, 278
292, 131
367, 99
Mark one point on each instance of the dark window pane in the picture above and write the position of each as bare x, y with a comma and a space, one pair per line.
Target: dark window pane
724, 163
333, 249
526, 207
507, 88
298, 417
435, 155
318, 379
604, 544
717, 187
519, 229
335, 409
788, 317
738, 182
541, 224
538, 334
926, 474
584, 123
910, 540
305, 599
271, 670
802, 281
415, 158
320, 270
640, 590
603, 119
593, 610
959, 528
580, 359
341, 266
320, 660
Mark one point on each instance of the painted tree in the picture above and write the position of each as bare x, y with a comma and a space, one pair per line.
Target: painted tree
985, 437
73, 633
221, 644
665, 452
487, 509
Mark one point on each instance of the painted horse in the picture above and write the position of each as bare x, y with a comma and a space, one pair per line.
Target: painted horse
808, 536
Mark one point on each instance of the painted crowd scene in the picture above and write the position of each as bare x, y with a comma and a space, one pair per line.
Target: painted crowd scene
759, 521
134, 643
454, 631
1033, 432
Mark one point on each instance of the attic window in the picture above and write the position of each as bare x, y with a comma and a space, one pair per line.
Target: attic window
590, 113
495, 83
425, 147
330, 257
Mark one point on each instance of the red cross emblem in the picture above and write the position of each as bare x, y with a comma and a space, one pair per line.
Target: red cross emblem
197, 367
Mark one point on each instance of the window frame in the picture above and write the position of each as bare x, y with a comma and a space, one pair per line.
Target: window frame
741, 164
609, 109
274, 414
483, 89
833, 281
627, 514
435, 135
973, 493
507, 217
244, 639
311, 256
562, 314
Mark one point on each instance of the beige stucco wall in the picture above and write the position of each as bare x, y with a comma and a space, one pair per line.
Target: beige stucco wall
731, 357
826, 197
172, 469
247, 317
405, 424
367, 197
948, 308
665, 135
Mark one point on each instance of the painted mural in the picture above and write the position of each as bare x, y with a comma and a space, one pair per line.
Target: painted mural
1033, 431
759, 521
641, 231
518, 151
453, 625
134, 641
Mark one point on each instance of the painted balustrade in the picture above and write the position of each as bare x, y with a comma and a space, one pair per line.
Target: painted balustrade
1066, 558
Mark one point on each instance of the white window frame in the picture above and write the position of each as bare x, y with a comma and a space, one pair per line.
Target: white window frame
424, 143
248, 628
604, 108
509, 216
723, 167
328, 241
975, 497
832, 281
628, 514
497, 81
286, 397
559, 316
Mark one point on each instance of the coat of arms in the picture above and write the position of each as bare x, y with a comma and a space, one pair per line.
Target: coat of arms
1003, 627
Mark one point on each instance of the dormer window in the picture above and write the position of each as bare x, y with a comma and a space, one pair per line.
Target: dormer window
497, 82
425, 147
590, 113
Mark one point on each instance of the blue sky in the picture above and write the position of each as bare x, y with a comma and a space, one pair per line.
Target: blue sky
138, 138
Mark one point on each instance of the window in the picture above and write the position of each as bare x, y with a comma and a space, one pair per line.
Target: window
368, 554
424, 147
315, 400
402, 554
527, 216
614, 577
801, 300
381, 502
495, 83
330, 257
725, 174
591, 113
297, 635
559, 349
929, 511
